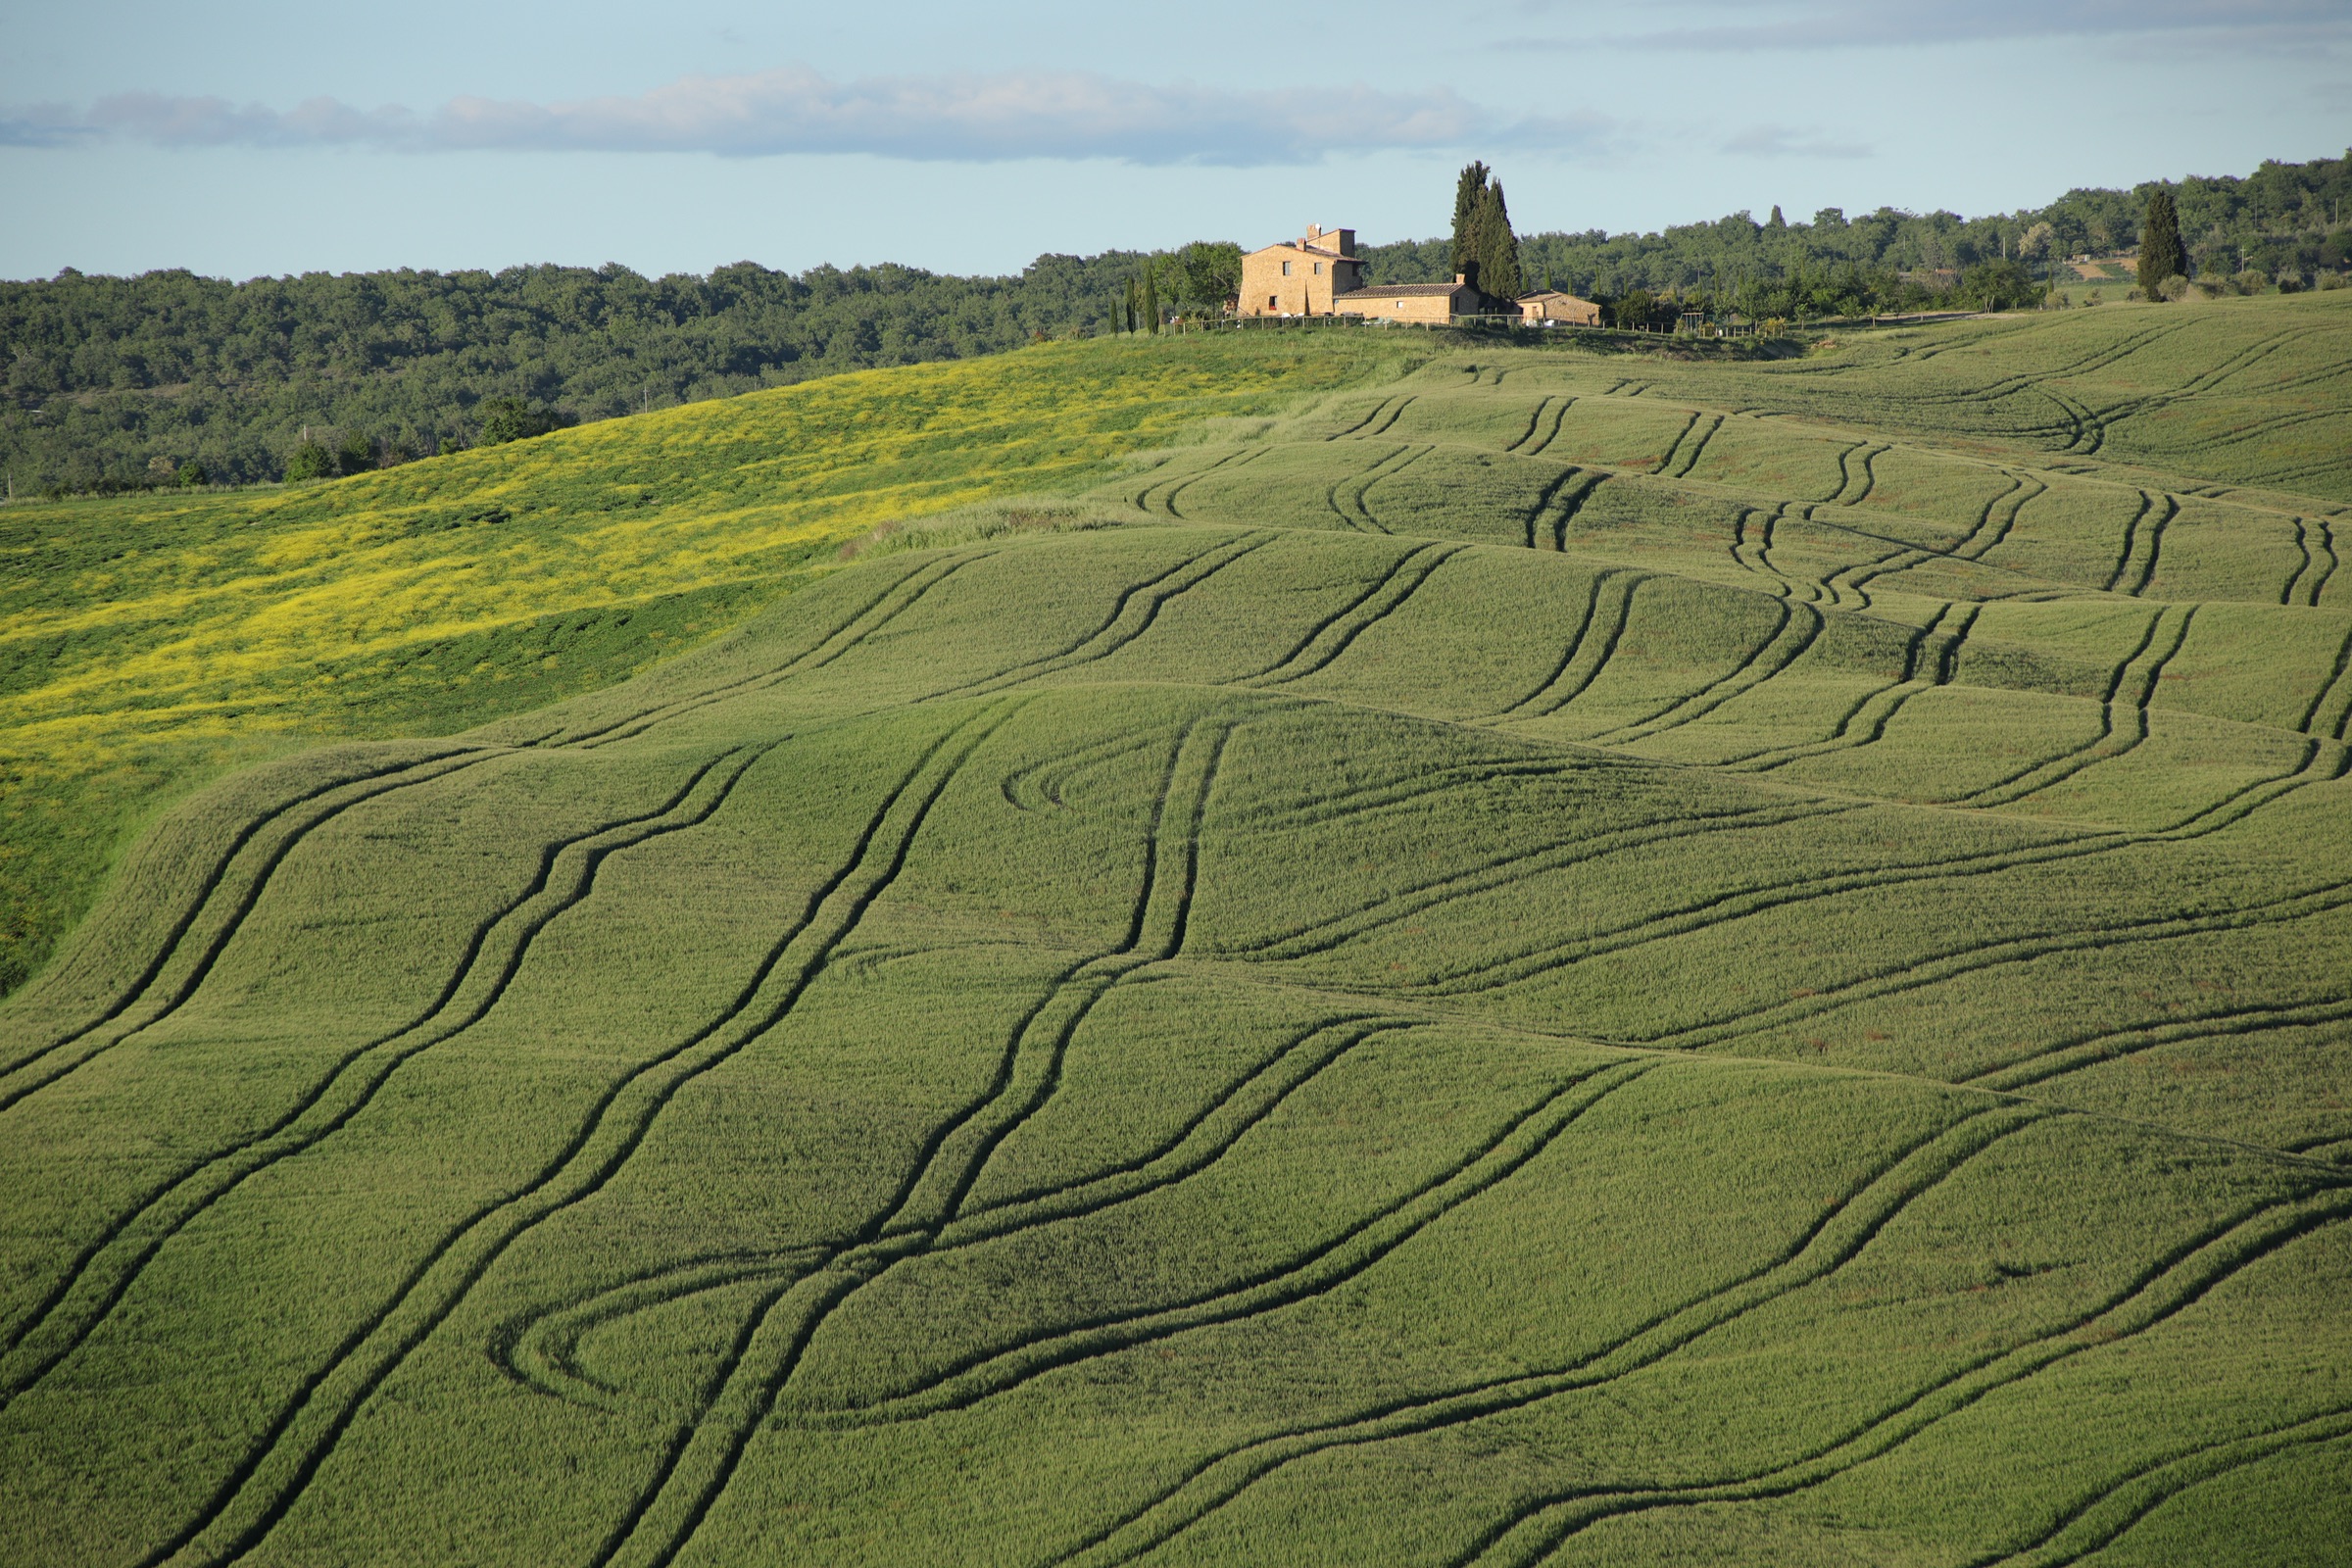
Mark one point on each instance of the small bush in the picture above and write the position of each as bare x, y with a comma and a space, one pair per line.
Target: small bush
191, 476
506, 420
2332, 280
2173, 289
310, 461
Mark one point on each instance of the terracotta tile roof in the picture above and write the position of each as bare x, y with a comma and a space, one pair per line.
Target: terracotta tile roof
1402, 291
1310, 249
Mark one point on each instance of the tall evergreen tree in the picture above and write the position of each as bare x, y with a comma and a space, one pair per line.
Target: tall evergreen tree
2160, 254
1466, 193
1497, 248
1151, 301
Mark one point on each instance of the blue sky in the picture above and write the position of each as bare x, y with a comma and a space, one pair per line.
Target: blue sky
250, 136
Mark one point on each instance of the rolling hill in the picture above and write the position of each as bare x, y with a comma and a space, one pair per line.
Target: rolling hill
1543, 956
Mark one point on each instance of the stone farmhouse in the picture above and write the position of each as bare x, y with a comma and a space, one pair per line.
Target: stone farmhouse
1548, 307
1319, 275
1301, 277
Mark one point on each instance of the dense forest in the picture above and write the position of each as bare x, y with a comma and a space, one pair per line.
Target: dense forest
170, 377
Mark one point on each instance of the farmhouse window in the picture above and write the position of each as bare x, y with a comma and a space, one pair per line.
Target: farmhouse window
1273, 302
1318, 269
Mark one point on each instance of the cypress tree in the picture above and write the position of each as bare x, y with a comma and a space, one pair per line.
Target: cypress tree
1151, 302
2161, 254
1466, 193
1497, 250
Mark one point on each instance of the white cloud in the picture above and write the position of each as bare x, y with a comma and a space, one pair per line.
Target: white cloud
1786, 141
958, 117
1745, 25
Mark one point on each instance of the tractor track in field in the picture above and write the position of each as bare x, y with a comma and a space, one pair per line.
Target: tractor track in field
2107, 1515
281, 1463
1992, 525
1950, 964
215, 880
702, 1458
1556, 506
2074, 1055
1144, 598
106, 1270
1132, 613
1351, 499
1164, 486
1405, 574
1935, 645
14, 1081
1559, 419
2333, 696
1608, 609
1795, 631
1738, 904
2131, 685
1220, 468
1326, 935
897, 596
1361, 799
1535, 417
2136, 559
2309, 579
1834, 1238
988, 1374
1689, 446
1195, 1146
1536, 1529
1335, 635
1039, 786
1745, 902
1854, 489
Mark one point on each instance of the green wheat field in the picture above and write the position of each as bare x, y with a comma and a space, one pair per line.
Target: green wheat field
1456, 955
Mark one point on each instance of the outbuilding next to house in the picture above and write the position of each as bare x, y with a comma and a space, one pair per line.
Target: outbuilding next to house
1549, 306
1423, 304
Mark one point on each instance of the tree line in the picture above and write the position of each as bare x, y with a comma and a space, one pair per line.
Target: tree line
2285, 222
168, 377
122, 382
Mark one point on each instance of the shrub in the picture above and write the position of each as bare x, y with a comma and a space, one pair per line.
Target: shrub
191, 476
2173, 289
506, 420
356, 453
310, 461
2332, 280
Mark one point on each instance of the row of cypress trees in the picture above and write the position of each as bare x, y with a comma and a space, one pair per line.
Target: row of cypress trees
1481, 233
1139, 310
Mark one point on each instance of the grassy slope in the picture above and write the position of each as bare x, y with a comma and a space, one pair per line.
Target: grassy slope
1561, 960
146, 646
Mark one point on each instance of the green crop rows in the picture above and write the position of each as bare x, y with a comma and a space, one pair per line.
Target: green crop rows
1739, 963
